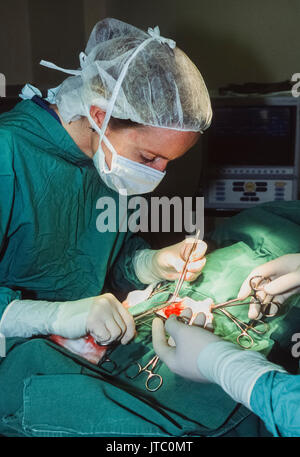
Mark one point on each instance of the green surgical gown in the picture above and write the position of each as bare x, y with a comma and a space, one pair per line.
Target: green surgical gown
50, 248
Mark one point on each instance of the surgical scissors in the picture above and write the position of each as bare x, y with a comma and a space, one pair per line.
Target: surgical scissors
148, 368
244, 328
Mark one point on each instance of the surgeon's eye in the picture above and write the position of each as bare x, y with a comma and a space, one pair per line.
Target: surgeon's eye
147, 159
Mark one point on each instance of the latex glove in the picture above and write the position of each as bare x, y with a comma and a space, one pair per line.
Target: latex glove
168, 263
109, 320
201, 356
102, 316
189, 340
138, 296
200, 306
284, 273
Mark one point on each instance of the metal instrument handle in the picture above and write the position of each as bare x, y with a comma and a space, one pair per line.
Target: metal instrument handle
140, 369
246, 336
182, 275
151, 376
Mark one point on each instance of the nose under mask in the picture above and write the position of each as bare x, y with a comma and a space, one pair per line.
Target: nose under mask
125, 174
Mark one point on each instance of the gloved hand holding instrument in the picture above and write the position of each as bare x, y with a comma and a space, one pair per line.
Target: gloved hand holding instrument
185, 319
168, 263
103, 316
70, 323
281, 279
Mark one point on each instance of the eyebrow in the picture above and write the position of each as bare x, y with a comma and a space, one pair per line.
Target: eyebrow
154, 154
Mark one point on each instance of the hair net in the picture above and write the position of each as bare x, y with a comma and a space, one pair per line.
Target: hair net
131, 74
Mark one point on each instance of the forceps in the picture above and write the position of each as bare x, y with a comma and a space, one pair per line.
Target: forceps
148, 368
161, 287
164, 285
244, 328
264, 306
183, 273
254, 299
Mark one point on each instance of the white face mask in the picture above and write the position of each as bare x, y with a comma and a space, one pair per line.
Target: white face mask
125, 174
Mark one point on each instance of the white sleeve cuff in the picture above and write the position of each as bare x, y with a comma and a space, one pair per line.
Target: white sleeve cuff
234, 369
143, 266
5, 313
26, 318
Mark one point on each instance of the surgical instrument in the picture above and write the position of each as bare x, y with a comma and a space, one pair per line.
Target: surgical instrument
178, 287
153, 310
184, 319
268, 304
245, 328
148, 368
255, 298
183, 273
106, 360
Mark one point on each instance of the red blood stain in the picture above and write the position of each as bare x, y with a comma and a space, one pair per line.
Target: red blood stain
90, 339
175, 308
85, 347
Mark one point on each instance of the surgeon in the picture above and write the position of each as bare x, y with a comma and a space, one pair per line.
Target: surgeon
110, 129
247, 376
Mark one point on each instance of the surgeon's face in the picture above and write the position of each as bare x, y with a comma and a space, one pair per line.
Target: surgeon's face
151, 146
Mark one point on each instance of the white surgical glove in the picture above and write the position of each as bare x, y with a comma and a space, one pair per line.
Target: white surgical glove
138, 296
234, 369
284, 273
103, 316
189, 340
167, 263
201, 356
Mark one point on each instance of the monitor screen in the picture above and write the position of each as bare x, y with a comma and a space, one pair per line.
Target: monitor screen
251, 135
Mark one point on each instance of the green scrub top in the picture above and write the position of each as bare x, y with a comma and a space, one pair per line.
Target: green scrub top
50, 248
48, 391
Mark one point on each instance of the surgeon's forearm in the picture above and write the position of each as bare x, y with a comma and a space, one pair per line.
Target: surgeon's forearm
234, 369
26, 318
144, 267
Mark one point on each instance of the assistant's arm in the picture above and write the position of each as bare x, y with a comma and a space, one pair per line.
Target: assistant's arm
275, 399
247, 376
264, 387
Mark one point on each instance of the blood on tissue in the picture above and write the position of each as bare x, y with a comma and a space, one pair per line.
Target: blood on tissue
174, 308
203, 306
85, 347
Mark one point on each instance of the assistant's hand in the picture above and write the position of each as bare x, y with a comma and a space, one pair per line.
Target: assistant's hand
108, 320
103, 316
169, 262
189, 340
284, 273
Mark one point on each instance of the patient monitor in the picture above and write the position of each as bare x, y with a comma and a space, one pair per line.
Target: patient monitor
251, 151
